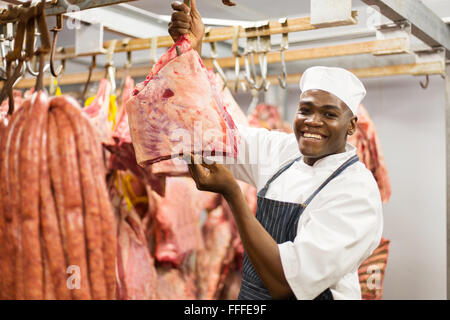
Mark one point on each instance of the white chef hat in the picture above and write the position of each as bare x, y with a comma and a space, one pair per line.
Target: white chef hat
340, 82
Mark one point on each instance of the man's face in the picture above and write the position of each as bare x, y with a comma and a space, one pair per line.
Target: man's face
322, 124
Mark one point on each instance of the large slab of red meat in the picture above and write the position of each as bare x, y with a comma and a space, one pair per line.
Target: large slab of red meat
98, 110
177, 111
269, 117
368, 148
177, 167
121, 132
136, 273
177, 225
215, 256
228, 101
175, 284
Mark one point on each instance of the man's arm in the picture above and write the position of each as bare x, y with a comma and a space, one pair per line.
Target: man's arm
261, 248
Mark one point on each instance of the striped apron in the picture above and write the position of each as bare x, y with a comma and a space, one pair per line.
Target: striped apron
280, 219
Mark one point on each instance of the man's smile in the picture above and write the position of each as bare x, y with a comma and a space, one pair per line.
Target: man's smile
313, 136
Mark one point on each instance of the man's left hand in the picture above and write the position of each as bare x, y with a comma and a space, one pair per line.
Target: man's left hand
212, 177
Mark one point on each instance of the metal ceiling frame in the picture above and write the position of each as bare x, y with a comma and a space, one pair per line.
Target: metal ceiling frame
426, 25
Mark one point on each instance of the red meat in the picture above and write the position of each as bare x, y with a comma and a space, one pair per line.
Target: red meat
368, 148
178, 111
98, 110
177, 225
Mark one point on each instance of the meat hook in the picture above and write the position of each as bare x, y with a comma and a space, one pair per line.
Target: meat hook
11, 57
44, 34
250, 49
427, 82
237, 56
88, 81
2, 53
110, 69
214, 56
55, 30
283, 46
45, 48
264, 48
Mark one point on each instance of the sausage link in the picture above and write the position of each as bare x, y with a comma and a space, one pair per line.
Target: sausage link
55, 262
8, 210
29, 197
90, 200
49, 288
73, 204
55, 162
106, 212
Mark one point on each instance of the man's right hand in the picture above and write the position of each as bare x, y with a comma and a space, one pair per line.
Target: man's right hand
187, 20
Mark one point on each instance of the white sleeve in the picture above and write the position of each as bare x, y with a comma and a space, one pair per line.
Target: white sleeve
335, 241
261, 153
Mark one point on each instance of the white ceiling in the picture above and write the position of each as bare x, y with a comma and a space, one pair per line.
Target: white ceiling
263, 9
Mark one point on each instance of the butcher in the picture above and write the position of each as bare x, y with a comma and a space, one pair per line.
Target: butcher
319, 212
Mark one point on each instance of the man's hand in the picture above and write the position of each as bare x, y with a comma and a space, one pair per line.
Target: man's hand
188, 21
212, 177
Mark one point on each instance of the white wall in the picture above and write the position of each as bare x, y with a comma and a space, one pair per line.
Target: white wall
411, 126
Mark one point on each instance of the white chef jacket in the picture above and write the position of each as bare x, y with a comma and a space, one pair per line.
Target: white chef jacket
337, 231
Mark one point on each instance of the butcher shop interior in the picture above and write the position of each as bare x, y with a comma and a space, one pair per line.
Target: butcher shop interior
98, 202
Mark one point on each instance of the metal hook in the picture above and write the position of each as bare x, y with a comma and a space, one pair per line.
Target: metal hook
250, 49
427, 82
214, 56
2, 58
55, 30
30, 70
88, 81
283, 46
110, 69
127, 67
40, 78
264, 48
237, 56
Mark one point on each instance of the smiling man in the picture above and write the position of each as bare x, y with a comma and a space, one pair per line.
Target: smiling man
319, 212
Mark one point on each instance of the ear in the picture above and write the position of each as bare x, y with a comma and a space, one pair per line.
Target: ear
352, 125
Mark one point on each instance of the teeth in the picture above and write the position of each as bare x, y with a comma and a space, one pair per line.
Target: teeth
312, 135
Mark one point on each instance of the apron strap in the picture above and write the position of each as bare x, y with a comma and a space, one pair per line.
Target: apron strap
338, 171
263, 191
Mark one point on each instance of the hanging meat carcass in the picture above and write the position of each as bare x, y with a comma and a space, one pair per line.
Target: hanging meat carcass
269, 117
372, 271
175, 284
98, 110
59, 217
368, 148
177, 225
216, 255
136, 273
122, 155
176, 111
